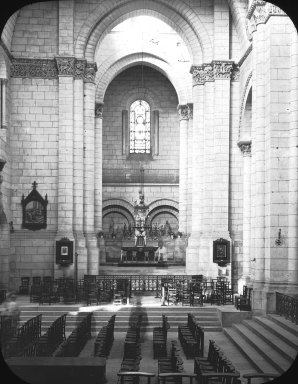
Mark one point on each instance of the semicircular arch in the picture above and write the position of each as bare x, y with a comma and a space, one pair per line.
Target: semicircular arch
183, 20
247, 89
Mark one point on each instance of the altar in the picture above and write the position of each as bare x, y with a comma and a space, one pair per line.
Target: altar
139, 256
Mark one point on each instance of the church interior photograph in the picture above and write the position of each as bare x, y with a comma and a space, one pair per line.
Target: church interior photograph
148, 191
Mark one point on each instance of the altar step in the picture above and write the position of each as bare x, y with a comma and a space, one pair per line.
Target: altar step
152, 317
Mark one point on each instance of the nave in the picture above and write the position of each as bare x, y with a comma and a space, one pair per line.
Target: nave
241, 344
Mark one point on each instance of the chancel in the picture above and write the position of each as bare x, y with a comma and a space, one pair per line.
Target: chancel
149, 191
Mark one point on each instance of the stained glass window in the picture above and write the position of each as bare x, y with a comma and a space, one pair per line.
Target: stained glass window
139, 127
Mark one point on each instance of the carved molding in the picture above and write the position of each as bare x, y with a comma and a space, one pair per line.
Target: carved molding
259, 12
217, 69
245, 147
90, 72
98, 110
190, 108
184, 112
52, 68
42, 68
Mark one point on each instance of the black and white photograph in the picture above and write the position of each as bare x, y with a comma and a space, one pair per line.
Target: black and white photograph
148, 191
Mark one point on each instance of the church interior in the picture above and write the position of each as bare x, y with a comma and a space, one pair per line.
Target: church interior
149, 191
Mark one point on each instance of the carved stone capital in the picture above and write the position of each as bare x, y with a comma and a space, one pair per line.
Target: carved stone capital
184, 112
235, 74
65, 65
98, 110
245, 147
41, 68
79, 68
202, 73
259, 12
90, 72
222, 69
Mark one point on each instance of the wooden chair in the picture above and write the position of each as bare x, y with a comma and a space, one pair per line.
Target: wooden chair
243, 303
24, 288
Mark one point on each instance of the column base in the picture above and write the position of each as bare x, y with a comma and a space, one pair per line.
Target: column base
199, 257
82, 256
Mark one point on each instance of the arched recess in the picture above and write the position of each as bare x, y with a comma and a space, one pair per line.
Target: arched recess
8, 30
185, 22
182, 84
163, 206
119, 205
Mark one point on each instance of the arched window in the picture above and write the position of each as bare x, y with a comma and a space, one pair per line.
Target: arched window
139, 129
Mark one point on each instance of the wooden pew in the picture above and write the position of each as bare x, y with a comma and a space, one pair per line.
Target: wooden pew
54, 336
160, 339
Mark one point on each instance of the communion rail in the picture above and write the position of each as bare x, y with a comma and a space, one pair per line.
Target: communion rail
287, 306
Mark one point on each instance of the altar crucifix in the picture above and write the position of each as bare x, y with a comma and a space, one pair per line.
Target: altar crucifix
140, 214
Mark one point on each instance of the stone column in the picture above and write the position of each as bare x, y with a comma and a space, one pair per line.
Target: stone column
78, 165
4, 236
293, 173
184, 115
189, 171
245, 147
3, 113
89, 168
98, 166
65, 152
193, 261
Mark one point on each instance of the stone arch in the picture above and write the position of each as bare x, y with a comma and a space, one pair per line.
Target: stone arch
163, 206
120, 206
8, 30
151, 97
181, 18
178, 82
238, 11
247, 89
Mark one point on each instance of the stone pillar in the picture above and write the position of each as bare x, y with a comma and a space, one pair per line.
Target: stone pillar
65, 152
3, 112
293, 173
184, 115
98, 166
78, 165
4, 236
245, 147
89, 167
270, 117
189, 171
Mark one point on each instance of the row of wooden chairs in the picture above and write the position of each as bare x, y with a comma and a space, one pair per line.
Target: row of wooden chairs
160, 339
52, 338
104, 339
23, 341
76, 341
215, 365
171, 364
191, 337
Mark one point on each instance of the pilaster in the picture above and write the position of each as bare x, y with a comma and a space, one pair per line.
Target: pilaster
98, 166
245, 147
89, 168
184, 116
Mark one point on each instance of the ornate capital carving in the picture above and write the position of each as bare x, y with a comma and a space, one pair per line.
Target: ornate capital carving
42, 68
235, 74
79, 68
98, 110
65, 65
90, 71
202, 73
259, 12
222, 69
184, 112
245, 147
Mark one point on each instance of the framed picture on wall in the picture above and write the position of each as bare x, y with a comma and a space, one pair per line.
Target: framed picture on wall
221, 251
64, 251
